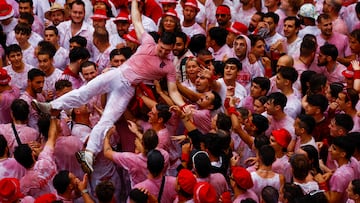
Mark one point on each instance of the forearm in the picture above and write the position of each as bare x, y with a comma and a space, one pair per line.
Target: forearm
176, 97
148, 102
52, 133
108, 152
191, 95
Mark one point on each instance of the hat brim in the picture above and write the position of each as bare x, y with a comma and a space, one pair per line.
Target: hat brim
48, 13
5, 81
9, 15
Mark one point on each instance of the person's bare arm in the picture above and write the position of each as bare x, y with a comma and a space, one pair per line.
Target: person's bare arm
136, 19
356, 67
189, 94
53, 134
174, 94
108, 151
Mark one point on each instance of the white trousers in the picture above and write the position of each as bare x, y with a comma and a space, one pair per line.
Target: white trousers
119, 92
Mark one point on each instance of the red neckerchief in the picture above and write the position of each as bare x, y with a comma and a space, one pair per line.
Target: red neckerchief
67, 71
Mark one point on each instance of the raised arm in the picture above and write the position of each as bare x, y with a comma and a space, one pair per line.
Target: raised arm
136, 19
53, 132
174, 94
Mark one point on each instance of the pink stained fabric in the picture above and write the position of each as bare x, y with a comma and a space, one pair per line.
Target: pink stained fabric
19, 80
224, 51
103, 59
287, 123
64, 154
33, 116
61, 58
240, 92
38, 180
202, 120
75, 80
7, 97
26, 134
248, 194
156, 67
248, 102
64, 28
340, 180
356, 127
260, 183
50, 81
10, 168
193, 30
336, 75
218, 181
153, 186
282, 166
339, 40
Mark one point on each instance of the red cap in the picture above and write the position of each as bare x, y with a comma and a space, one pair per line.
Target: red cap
106, 2
242, 177
226, 197
123, 15
131, 36
99, 14
4, 77
168, 1
223, 9
282, 137
186, 180
349, 72
6, 10
192, 3
47, 198
238, 28
170, 12
9, 190
204, 193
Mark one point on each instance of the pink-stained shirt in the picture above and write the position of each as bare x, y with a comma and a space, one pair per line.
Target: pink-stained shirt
26, 134
38, 179
244, 16
224, 52
29, 56
19, 80
193, 30
293, 49
340, 180
75, 80
6, 99
38, 25
356, 127
65, 34
61, 58
218, 181
103, 59
340, 26
33, 116
282, 166
336, 75
153, 187
136, 164
248, 194
181, 68
10, 27
10, 168
202, 120
49, 84
314, 30
81, 131
293, 106
260, 183
34, 39
248, 102
210, 10
287, 123
240, 92
339, 40
298, 143
156, 68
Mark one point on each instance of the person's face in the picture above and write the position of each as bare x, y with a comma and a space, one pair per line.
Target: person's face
117, 60
354, 45
99, 5
73, 45
334, 129
15, 59
63, 91
205, 101
256, 91
222, 19
37, 84
325, 27
240, 48
258, 49
322, 59
271, 24
289, 28
153, 115
57, 17
297, 127
168, 6
230, 39
280, 81
326, 7
21, 37
255, 19
50, 36
122, 27
24, 7
74, 181
163, 50
99, 23
311, 110
341, 100
45, 63
189, 13
192, 70
270, 107
259, 108
23, 20
350, 192
169, 23
179, 47
205, 60
335, 152
77, 13
201, 83
89, 73
230, 72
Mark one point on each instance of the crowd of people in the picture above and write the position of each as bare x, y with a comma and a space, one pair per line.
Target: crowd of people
200, 101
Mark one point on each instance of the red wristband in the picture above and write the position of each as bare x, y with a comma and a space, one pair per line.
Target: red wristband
232, 110
323, 186
357, 74
184, 157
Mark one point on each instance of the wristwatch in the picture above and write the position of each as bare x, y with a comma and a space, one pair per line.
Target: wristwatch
84, 191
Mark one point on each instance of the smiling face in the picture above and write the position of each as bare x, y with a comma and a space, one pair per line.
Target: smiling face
205, 101
163, 50
77, 13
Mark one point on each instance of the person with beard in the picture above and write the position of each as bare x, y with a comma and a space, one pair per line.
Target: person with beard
327, 58
75, 26
181, 54
254, 21
189, 25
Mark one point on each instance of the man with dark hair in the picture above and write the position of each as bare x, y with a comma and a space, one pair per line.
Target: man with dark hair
273, 38
22, 36
278, 118
216, 41
77, 41
259, 87
19, 113
51, 34
102, 43
26, 6
347, 101
119, 56
300, 165
306, 61
304, 126
36, 79
66, 186
182, 53
328, 57
291, 30
105, 192
120, 85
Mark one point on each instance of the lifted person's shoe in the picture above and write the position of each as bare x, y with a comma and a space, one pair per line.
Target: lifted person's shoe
85, 159
43, 107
